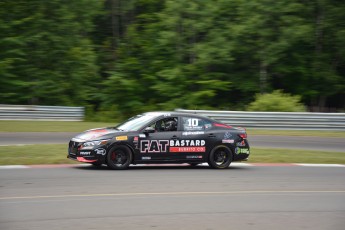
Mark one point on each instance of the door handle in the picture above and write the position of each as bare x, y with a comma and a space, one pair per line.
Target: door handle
174, 137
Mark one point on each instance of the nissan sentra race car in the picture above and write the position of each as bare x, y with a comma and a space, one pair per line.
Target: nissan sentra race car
162, 137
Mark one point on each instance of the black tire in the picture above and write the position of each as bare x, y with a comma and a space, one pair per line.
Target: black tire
119, 157
220, 157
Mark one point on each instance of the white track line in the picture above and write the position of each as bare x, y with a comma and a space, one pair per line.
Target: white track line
321, 165
162, 165
177, 193
14, 167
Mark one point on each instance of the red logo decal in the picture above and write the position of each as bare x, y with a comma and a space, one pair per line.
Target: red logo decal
187, 149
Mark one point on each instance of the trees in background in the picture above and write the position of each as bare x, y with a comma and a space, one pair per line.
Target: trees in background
139, 55
276, 101
47, 56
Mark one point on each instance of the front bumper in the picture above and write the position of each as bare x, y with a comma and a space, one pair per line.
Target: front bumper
86, 155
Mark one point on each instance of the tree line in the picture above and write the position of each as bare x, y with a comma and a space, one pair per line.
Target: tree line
121, 57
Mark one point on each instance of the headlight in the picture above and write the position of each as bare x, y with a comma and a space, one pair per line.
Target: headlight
95, 143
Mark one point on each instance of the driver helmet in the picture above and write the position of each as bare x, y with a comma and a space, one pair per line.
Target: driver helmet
171, 125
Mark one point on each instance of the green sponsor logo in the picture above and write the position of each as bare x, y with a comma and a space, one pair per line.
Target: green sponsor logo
242, 151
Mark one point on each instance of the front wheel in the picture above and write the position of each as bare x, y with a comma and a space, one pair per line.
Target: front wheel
220, 157
119, 157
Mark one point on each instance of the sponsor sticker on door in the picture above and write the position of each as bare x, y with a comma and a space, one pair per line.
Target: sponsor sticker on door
187, 149
174, 146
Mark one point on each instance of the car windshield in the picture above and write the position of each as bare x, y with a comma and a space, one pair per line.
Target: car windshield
135, 123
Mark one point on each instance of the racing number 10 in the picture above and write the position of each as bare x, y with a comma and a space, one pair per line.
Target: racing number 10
193, 122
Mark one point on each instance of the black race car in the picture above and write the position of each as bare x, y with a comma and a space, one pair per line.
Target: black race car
162, 137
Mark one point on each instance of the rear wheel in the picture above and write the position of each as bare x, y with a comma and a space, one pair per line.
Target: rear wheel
119, 157
220, 157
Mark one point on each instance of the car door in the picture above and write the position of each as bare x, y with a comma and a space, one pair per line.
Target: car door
156, 146
194, 140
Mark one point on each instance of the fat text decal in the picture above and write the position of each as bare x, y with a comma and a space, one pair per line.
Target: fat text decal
153, 146
161, 146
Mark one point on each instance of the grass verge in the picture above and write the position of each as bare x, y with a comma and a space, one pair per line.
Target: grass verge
79, 126
311, 133
34, 154
50, 126
56, 154
272, 155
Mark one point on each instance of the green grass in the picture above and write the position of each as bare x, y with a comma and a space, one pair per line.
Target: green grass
34, 154
312, 133
56, 154
50, 126
78, 126
272, 155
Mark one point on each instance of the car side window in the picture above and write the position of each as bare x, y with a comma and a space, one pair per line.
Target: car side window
195, 124
165, 124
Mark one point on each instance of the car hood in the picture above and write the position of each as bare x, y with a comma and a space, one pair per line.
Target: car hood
97, 134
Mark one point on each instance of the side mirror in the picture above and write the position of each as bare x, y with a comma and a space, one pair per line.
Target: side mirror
148, 130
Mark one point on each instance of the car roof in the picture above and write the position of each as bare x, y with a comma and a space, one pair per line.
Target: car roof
173, 113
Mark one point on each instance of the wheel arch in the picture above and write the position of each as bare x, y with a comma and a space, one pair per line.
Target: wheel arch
224, 157
120, 144
217, 146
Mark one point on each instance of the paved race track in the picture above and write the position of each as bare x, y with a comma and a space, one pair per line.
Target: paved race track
241, 197
289, 142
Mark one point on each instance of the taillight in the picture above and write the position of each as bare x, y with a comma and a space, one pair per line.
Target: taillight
243, 135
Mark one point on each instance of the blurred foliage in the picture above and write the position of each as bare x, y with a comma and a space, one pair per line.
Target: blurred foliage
46, 55
277, 101
138, 55
103, 114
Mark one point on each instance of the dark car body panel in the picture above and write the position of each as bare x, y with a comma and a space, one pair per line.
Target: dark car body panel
178, 146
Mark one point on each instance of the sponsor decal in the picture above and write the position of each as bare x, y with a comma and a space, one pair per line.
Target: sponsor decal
193, 157
192, 133
187, 149
86, 147
242, 150
227, 135
207, 126
161, 146
146, 158
121, 138
166, 114
153, 146
193, 128
228, 138
83, 153
187, 142
192, 124
228, 141
100, 151
242, 143
135, 142
142, 135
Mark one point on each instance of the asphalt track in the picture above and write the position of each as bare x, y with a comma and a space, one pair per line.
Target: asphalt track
241, 197
264, 141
